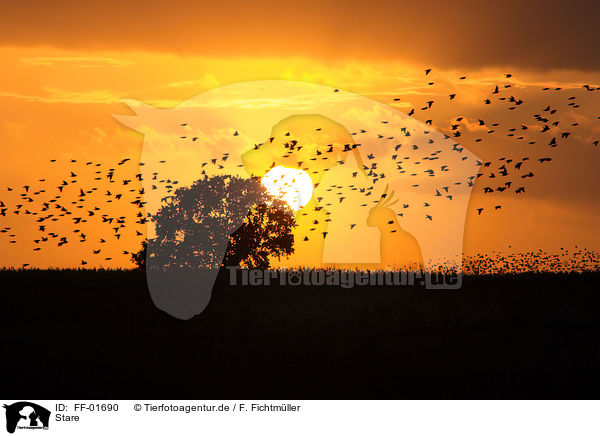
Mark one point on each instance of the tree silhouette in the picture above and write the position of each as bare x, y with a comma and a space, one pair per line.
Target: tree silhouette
219, 220
266, 232
139, 258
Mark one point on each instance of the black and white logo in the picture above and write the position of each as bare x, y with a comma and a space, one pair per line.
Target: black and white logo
26, 415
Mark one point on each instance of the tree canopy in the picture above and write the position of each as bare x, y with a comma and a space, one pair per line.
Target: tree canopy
219, 220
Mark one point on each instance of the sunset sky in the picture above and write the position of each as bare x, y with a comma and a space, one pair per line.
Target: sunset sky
67, 66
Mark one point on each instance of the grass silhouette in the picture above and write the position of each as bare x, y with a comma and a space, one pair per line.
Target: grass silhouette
96, 333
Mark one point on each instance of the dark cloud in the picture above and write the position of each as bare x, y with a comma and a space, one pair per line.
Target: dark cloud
529, 34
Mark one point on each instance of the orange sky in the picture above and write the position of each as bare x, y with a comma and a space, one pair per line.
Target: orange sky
546, 34
60, 86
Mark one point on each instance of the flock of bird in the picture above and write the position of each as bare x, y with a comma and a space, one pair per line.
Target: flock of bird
508, 173
73, 200
575, 260
94, 198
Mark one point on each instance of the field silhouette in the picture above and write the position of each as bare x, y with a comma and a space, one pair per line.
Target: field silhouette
96, 334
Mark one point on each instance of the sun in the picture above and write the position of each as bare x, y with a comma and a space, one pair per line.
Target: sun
293, 186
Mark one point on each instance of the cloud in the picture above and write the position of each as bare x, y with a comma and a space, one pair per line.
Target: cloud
79, 62
61, 96
542, 34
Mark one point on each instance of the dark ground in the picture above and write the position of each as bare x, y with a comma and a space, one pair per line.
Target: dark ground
97, 335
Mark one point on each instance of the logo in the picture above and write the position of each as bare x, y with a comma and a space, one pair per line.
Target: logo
369, 185
26, 415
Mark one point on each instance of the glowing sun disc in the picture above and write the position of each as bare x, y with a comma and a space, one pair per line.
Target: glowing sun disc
293, 186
